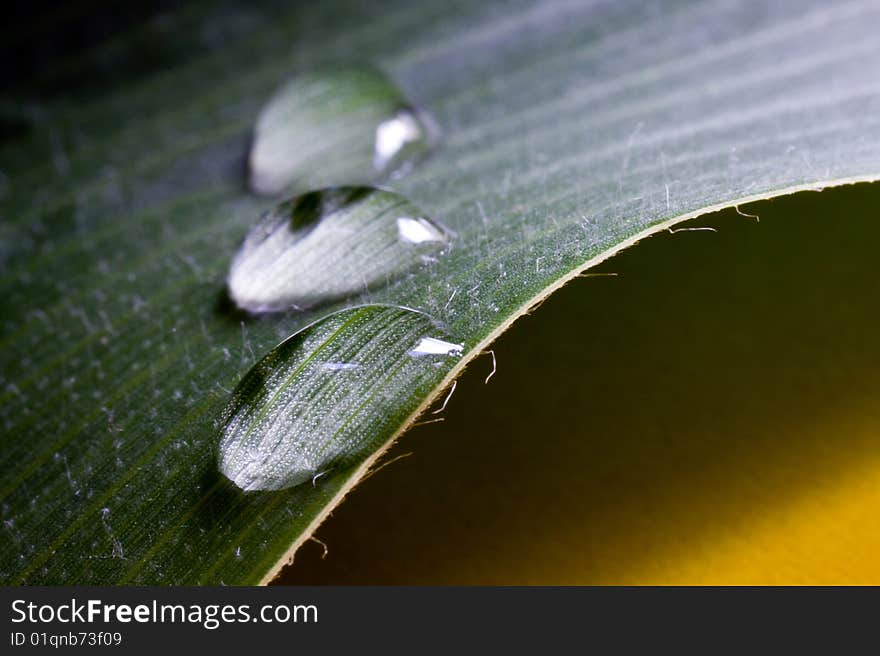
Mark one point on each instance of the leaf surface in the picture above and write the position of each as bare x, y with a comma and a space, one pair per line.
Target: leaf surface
571, 130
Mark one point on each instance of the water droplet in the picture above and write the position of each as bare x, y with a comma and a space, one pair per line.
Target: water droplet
288, 420
331, 244
338, 127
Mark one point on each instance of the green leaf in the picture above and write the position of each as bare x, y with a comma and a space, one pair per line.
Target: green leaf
571, 130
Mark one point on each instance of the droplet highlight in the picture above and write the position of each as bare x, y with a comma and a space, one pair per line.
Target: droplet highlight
337, 127
331, 244
292, 418
434, 346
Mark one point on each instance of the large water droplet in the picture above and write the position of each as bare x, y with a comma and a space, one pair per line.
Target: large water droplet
330, 244
293, 417
337, 127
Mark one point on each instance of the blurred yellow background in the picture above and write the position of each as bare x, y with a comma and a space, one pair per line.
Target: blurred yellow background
709, 415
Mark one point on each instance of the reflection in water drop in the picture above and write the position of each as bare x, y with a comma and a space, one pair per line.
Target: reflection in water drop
434, 346
420, 231
337, 127
288, 421
330, 244
393, 135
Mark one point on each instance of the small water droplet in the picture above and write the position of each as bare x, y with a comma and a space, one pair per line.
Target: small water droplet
331, 244
337, 127
288, 421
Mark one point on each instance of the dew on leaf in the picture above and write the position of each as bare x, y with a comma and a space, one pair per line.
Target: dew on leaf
337, 127
289, 421
331, 244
